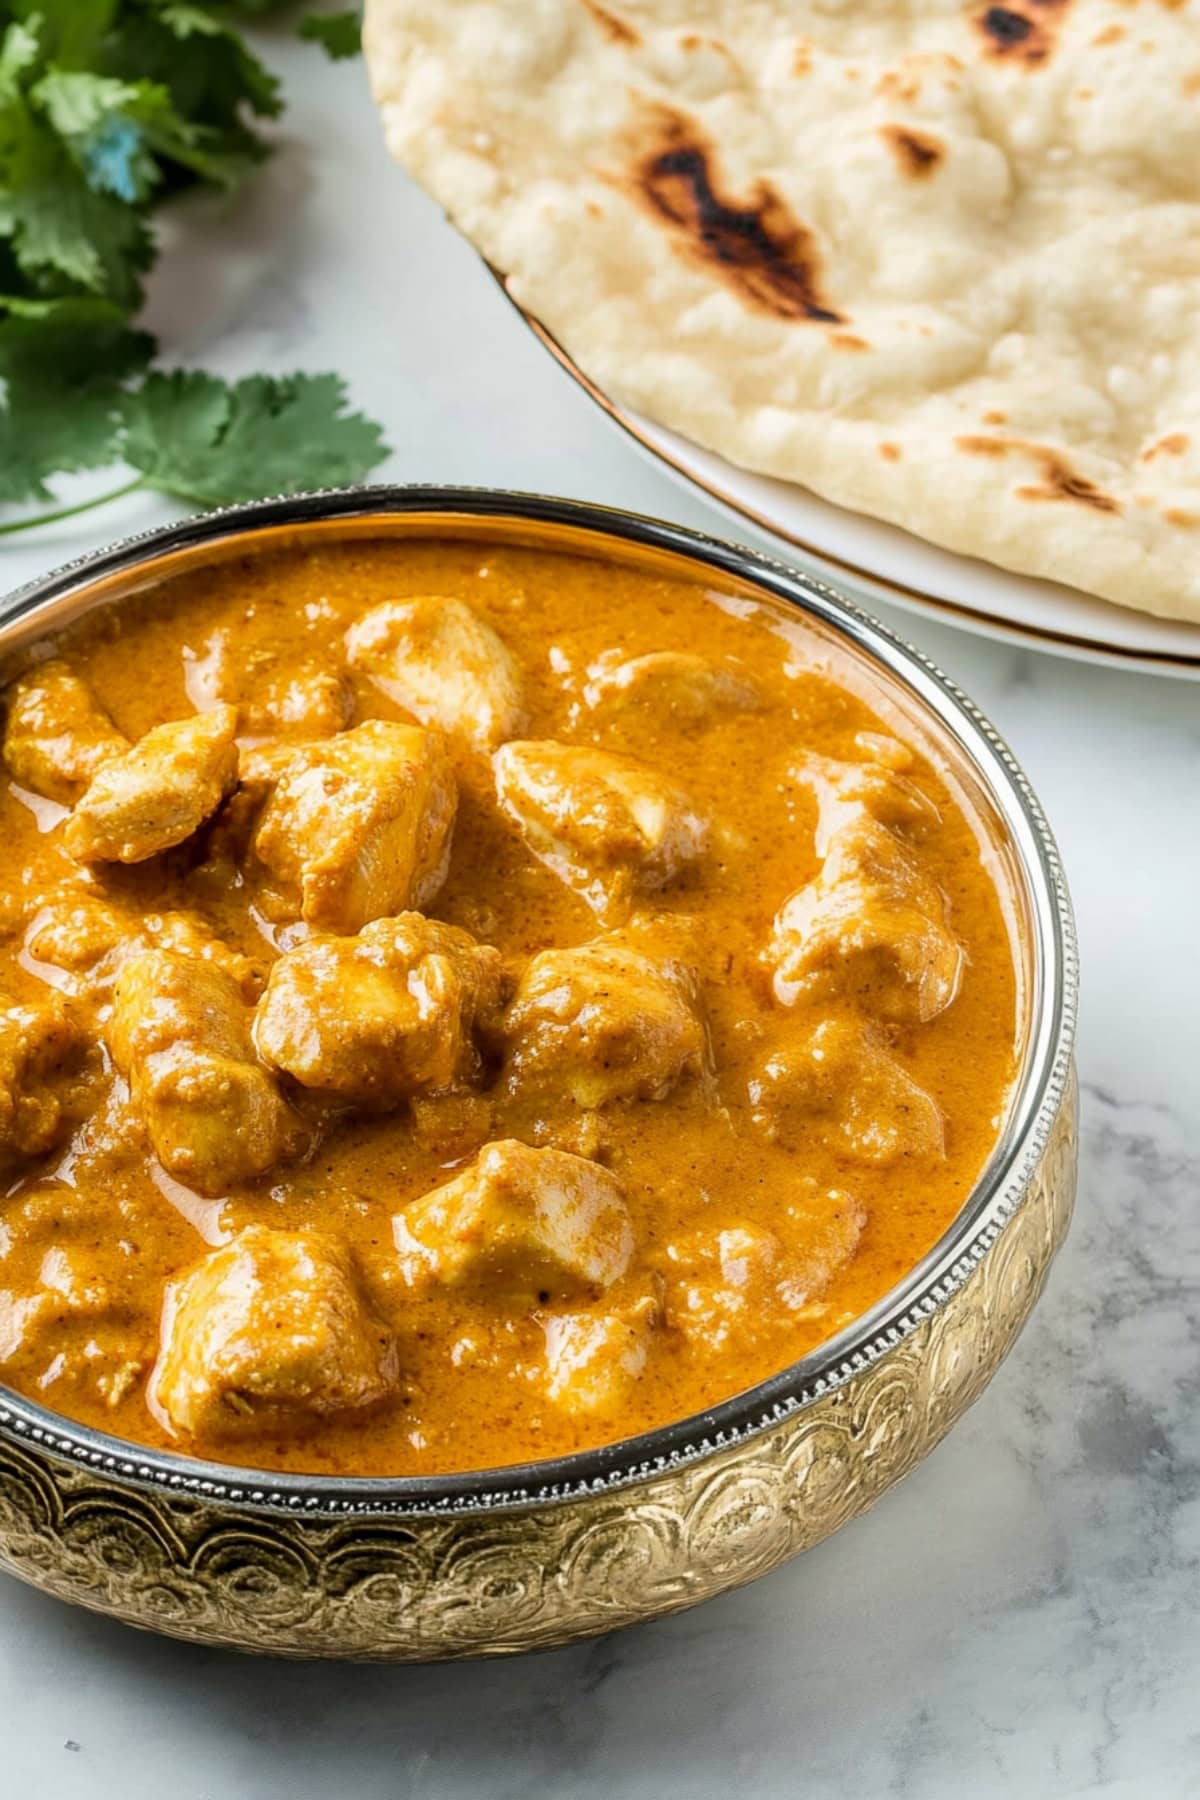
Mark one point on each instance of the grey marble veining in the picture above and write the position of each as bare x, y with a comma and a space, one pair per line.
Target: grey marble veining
1022, 1617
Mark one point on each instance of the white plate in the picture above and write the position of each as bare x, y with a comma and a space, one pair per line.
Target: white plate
884, 563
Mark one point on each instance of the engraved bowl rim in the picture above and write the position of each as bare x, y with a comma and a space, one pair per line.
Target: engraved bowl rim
1042, 1083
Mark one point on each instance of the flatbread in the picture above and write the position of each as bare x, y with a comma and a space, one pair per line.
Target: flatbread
938, 262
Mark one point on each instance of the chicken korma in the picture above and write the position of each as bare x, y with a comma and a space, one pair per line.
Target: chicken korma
465, 1004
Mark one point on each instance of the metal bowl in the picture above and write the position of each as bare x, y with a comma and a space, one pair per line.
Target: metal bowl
514, 1559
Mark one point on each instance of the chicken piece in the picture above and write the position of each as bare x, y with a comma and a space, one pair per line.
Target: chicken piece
594, 1358
519, 1227
180, 1035
229, 840
360, 826
608, 826
606, 1022
384, 1016
677, 687
71, 1313
78, 933
306, 701
270, 1333
274, 694
57, 737
40, 1054
743, 1281
840, 1082
186, 934
847, 792
157, 794
714, 1278
440, 661
17, 904
260, 767
87, 938
872, 923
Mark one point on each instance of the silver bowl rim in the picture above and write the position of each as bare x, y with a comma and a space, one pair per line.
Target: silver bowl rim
1041, 1088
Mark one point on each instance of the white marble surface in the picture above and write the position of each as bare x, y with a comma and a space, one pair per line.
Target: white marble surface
1022, 1617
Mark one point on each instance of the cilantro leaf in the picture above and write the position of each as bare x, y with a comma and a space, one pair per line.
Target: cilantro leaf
106, 107
73, 32
213, 83
73, 338
202, 439
211, 78
64, 364
172, 424
38, 440
339, 34
19, 52
62, 231
110, 128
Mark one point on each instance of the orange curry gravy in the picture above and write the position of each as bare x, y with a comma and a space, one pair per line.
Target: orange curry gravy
784, 1149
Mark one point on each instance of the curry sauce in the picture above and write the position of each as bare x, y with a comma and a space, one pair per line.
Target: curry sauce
463, 1004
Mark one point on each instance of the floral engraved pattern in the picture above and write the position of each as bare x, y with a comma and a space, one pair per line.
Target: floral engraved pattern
489, 1581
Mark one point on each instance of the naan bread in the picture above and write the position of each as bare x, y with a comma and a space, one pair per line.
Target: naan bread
939, 262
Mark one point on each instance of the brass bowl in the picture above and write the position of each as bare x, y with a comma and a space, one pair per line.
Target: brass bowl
499, 1561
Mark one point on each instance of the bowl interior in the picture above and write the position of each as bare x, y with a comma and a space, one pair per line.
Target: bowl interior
895, 682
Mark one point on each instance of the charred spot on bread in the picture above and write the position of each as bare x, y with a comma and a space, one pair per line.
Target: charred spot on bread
1059, 480
1025, 32
1176, 443
616, 29
917, 152
755, 246
1005, 26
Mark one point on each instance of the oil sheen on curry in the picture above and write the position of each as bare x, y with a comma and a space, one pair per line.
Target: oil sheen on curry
466, 1003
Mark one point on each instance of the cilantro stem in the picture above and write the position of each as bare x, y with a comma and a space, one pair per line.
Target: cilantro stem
69, 512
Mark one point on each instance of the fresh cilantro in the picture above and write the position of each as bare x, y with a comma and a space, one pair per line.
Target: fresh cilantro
107, 107
19, 53
171, 429
67, 342
72, 32
64, 365
216, 84
60, 233
200, 439
186, 434
65, 235
339, 34
106, 126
